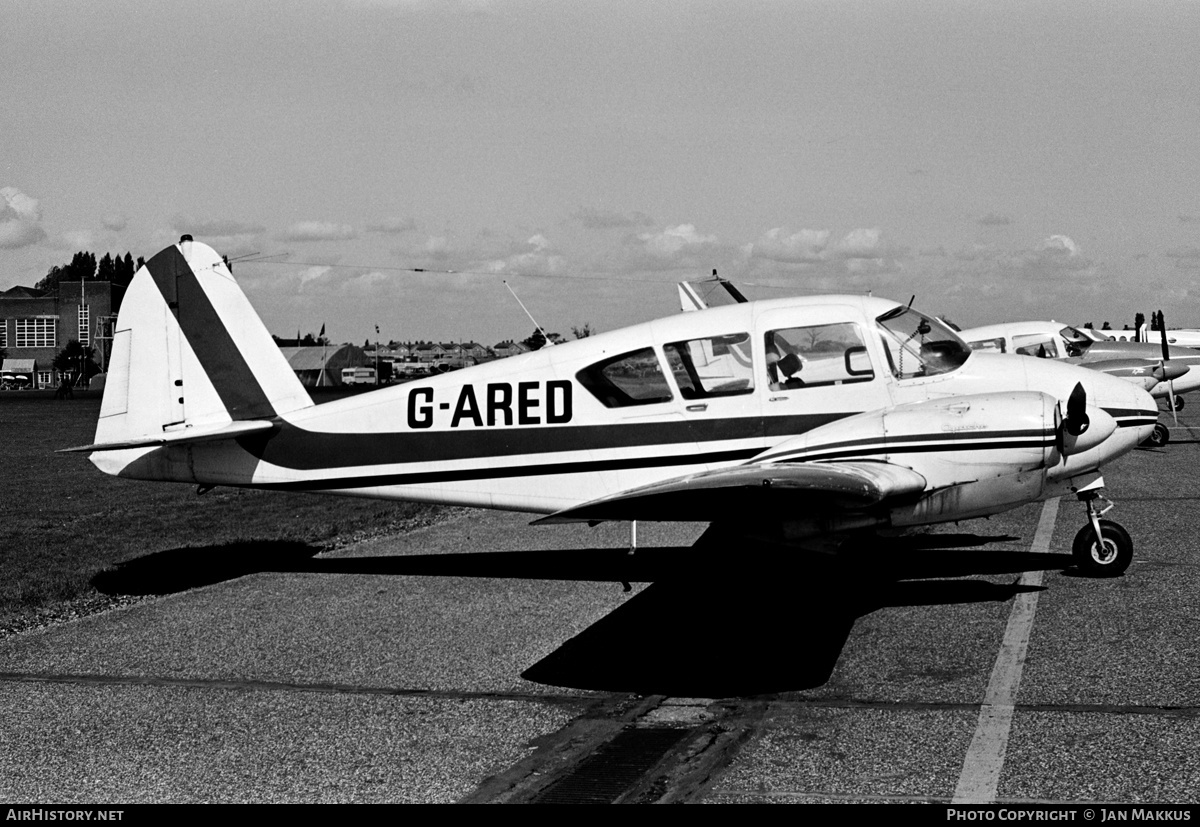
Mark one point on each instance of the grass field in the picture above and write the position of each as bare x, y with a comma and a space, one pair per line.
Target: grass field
66, 528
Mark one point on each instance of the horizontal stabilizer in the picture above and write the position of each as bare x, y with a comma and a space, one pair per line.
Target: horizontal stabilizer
183, 436
776, 489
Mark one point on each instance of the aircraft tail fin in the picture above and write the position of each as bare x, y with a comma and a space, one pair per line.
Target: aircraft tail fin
190, 356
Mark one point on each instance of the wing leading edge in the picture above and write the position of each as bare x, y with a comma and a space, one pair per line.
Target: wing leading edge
756, 490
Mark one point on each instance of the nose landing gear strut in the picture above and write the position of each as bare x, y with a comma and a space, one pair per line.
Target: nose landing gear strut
1102, 548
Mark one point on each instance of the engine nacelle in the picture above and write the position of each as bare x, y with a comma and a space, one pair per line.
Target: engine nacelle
949, 441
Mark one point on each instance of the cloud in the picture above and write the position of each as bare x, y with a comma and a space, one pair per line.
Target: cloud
674, 241
994, 220
805, 246
431, 248
220, 227
592, 219
114, 222
1186, 258
859, 243
1051, 262
814, 247
20, 219
1060, 246
80, 239
318, 231
537, 258
1188, 219
393, 225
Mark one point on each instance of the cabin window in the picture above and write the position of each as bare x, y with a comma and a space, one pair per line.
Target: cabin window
633, 378
715, 366
917, 345
990, 345
805, 357
1041, 345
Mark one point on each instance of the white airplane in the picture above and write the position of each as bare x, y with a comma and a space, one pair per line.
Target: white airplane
1166, 372
816, 419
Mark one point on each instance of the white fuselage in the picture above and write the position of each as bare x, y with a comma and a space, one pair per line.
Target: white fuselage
571, 423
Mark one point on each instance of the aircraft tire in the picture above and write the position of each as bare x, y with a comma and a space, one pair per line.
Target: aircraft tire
1179, 402
1112, 560
1159, 437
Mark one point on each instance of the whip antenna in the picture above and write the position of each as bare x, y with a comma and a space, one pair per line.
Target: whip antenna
527, 313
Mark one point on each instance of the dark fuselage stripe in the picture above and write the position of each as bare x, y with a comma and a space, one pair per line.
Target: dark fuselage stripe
920, 448
299, 449
303, 450
472, 474
232, 378
629, 463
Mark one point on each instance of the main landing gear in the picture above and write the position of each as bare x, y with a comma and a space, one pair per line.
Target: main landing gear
1102, 548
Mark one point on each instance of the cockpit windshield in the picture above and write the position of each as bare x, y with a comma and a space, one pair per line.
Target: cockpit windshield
1077, 342
917, 345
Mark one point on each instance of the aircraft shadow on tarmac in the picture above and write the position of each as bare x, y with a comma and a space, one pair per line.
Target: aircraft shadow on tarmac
711, 624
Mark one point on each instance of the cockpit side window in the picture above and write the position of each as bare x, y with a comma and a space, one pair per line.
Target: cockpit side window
805, 357
1076, 342
633, 378
713, 366
917, 345
1041, 345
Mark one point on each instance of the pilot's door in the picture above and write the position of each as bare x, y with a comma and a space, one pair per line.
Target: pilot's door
716, 379
815, 369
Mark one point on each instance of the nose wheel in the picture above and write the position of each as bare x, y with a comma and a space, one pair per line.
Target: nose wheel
1102, 548
1159, 437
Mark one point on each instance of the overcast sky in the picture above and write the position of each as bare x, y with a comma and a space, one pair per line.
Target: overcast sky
999, 160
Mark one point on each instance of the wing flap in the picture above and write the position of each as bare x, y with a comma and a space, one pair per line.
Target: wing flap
766, 488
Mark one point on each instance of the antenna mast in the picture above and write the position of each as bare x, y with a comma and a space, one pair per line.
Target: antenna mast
527, 313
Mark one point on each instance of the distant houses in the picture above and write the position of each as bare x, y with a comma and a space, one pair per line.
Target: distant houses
324, 366
36, 324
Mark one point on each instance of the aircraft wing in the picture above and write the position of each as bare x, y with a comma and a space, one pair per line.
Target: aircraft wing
758, 488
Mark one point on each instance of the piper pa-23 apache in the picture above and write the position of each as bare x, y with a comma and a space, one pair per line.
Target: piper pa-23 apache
1166, 372
791, 422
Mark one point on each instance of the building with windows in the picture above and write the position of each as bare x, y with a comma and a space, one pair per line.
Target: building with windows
34, 326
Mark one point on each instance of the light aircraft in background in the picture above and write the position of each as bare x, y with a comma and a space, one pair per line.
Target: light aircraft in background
1166, 372
796, 423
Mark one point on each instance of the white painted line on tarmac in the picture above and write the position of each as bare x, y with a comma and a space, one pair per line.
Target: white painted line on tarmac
980, 776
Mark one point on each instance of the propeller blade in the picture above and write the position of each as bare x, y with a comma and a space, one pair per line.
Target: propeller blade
1162, 329
1076, 421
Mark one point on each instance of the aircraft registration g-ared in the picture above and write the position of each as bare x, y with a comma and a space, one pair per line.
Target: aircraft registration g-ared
794, 422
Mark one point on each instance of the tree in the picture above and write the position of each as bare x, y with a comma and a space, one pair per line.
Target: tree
106, 270
74, 358
582, 332
82, 267
537, 340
